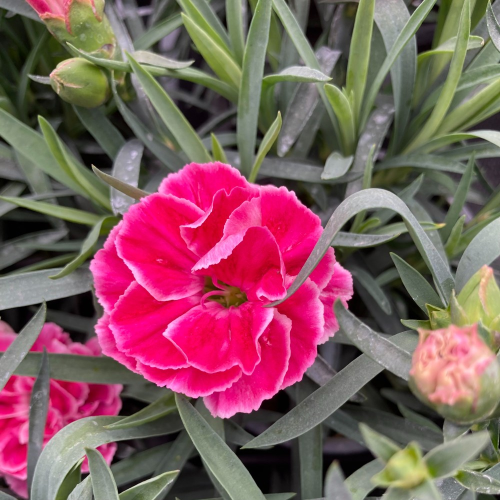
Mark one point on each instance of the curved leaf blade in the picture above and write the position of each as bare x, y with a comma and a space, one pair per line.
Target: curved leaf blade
483, 250
219, 458
251, 84
68, 446
24, 341
366, 200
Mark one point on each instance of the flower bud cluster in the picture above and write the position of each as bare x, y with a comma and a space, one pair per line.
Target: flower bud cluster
83, 24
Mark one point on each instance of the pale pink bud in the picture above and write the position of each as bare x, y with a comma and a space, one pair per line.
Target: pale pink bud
456, 373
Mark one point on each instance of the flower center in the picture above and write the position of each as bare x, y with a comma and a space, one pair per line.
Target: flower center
224, 294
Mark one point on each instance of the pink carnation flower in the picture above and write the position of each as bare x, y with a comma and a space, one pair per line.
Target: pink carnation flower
69, 401
184, 279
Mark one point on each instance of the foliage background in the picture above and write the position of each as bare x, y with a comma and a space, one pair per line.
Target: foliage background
383, 132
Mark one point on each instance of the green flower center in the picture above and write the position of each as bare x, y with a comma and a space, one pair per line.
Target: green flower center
224, 294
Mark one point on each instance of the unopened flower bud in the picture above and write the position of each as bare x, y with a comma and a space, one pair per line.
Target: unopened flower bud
479, 300
80, 82
405, 469
79, 22
456, 373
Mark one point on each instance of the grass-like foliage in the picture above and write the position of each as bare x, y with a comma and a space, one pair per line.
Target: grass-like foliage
379, 114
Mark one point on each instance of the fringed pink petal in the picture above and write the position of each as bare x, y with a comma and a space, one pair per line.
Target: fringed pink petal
198, 183
248, 393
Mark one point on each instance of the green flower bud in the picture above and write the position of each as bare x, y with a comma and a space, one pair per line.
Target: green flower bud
479, 301
80, 82
456, 373
406, 469
79, 22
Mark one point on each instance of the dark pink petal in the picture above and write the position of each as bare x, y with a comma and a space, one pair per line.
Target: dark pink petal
248, 393
54, 7
339, 287
108, 344
215, 338
53, 338
190, 381
93, 346
294, 226
250, 261
139, 323
203, 234
306, 311
13, 456
62, 400
198, 183
324, 270
151, 245
111, 276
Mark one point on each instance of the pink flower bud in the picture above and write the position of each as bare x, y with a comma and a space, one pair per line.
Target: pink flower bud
79, 22
456, 373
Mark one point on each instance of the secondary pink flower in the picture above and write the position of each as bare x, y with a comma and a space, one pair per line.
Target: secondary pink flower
185, 277
69, 401
455, 372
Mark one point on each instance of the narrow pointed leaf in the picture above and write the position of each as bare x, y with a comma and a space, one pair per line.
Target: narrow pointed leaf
35, 287
76, 368
493, 26
459, 200
405, 35
251, 84
64, 213
103, 483
86, 251
150, 489
265, 146
478, 482
335, 488
21, 345
482, 251
217, 150
416, 285
171, 115
123, 187
444, 460
381, 446
126, 168
345, 115
221, 62
359, 54
68, 446
102, 129
83, 491
438, 113
234, 15
359, 483
31, 144
301, 74
379, 348
222, 462
158, 409
39, 406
